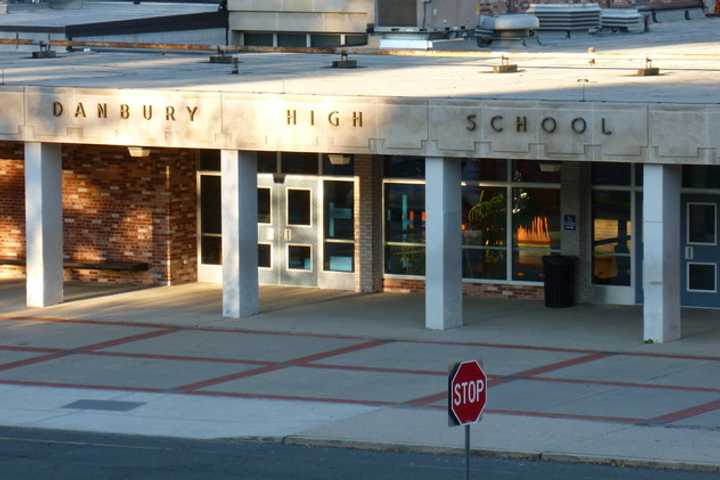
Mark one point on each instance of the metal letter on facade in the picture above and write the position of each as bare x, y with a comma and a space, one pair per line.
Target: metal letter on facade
493, 123
334, 119
579, 125
549, 125
472, 124
57, 109
605, 129
521, 123
102, 110
292, 117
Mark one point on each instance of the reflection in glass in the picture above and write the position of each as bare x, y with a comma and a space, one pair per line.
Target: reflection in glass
536, 230
535, 171
298, 207
405, 213
339, 257
264, 255
264, 210
482, 263
405, 259
701, 277
612, 237
299, 257
701, 223
484, 215
339, 218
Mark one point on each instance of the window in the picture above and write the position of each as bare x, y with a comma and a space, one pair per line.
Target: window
292, 40
339, 165
536, 230
264, 210
264, 255
298, 208
702, 277
300, 257
267, 162
611, 173
209, 160
339, 248
509, 220
701, 176
702, 223
405, 229
484, 232
211, 220
612, 237
258, 39
324, 40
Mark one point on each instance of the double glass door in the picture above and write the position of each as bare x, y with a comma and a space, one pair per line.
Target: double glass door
288, 231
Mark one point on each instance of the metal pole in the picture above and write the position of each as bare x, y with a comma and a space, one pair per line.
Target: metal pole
467, 452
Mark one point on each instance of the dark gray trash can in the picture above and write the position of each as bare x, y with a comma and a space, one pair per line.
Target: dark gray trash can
559, 273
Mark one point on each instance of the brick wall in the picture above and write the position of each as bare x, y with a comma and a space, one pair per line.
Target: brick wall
368, 224
122, 209
509, 291
12, 206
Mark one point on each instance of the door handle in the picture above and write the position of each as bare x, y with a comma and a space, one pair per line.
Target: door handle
689, 253
287, 235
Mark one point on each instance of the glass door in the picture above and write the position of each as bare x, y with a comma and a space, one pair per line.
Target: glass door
297, 234
700, 251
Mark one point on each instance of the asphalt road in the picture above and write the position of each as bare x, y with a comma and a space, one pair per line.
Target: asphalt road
41, 454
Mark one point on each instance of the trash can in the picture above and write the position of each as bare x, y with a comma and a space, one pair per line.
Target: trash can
559, 273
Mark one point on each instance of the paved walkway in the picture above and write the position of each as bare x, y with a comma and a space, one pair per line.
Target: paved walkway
322, 366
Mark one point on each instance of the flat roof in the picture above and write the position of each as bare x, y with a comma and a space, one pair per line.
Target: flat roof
688, 53
92, 12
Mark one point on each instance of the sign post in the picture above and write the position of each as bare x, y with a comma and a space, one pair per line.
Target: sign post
467, 396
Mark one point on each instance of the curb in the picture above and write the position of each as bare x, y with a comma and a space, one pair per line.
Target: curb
555, 457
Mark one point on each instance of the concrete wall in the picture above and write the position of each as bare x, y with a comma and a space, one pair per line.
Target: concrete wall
342, 16
115, 208
585, 131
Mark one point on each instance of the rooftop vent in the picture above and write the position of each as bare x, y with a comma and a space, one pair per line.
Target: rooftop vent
344, 61
567, 18
648, 70
44, 52
505, 66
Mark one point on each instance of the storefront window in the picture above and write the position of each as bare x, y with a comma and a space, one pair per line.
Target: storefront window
405, 229
484, 220
339, 226
535, 171
536, 230
612, 237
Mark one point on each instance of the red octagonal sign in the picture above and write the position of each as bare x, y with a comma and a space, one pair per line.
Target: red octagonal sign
467, 392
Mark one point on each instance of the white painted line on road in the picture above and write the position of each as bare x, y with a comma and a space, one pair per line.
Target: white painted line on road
79, 444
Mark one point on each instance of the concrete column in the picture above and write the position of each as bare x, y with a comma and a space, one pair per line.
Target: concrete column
443, 247
662, 252
368, 224
575, 200
239, 233
44, 224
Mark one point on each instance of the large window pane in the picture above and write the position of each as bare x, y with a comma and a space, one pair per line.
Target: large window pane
298, 207
210, 212
339, 218
211, 250
484, 263
702, 223
536, 230
339, 257
405, 259
611, 173
484, 216
292, 40
484, 169
258, 39
299, 257
536, 171
405, 167
264, 210
405, 213
612, 237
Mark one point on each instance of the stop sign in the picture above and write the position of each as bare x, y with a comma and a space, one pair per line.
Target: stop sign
467, 392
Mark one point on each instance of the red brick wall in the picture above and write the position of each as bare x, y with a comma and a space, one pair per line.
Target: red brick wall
12, 206
487, 290
117, 208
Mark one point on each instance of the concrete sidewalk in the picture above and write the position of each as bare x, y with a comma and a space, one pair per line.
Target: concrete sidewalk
322, 367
